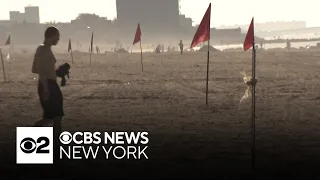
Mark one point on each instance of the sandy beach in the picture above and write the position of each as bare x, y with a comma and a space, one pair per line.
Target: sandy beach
187, 138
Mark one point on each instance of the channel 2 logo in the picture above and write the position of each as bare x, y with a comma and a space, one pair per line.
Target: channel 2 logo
29, 145
34, 145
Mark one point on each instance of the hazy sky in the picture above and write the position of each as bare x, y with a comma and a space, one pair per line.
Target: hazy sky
224, 12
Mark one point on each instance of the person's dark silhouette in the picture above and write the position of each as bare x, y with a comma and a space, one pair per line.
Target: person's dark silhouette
181, 47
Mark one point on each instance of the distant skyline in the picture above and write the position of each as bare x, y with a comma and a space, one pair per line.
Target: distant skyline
224, 12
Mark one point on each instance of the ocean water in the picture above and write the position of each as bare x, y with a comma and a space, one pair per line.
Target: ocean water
235, 46
274, 45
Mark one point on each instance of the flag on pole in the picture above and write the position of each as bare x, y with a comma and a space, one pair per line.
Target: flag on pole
203, 32
137, 36
249, 41
91, 47
70, 49
69, 46
202, 35
8, 42
3, 70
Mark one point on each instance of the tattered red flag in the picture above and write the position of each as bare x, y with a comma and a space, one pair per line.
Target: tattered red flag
249, 41
91, 46
203, 32
69, 46
137, 36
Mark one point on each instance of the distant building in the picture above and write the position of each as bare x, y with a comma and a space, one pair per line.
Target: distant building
31, 15
235, 32
87, 20
16, 16
185, 22
158, 16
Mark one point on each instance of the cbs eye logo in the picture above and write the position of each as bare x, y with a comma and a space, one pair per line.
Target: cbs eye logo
29, 145
65, 137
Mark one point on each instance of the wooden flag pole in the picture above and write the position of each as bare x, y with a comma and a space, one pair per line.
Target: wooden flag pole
248, 43
141, 56
70, 49
71, 55
78, 46
91, 47
207, 83
4, 73
253, 124
90, 57
10, 51
9, 44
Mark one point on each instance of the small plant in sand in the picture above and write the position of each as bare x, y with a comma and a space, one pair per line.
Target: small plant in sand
249, 82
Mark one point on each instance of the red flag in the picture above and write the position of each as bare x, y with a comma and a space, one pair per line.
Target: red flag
203, 32
69, 46
91, 42
8, 40
137, 37
249, 41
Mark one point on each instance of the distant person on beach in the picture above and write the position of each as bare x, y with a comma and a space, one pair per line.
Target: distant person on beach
158, 49
97, 50
181, 47
169, 48
288, 44
49, 92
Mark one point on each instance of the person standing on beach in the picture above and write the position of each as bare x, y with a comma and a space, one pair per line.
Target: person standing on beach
181, 47
288, 44
49, 92
97, 50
